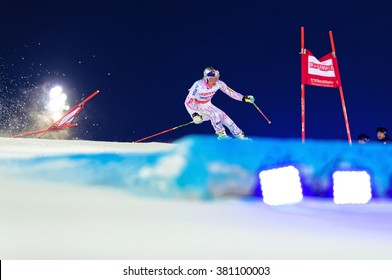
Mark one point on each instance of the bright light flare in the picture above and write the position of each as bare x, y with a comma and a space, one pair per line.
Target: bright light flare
56, 105
55, 92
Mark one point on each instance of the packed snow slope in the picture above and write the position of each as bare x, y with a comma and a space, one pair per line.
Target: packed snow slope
195, 199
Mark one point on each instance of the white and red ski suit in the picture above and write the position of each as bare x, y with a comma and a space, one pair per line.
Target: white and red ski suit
199, 101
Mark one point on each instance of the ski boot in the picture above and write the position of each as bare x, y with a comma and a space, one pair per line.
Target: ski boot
241, 136
222, 135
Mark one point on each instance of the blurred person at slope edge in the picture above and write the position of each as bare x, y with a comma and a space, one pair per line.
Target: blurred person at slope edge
363, 138
382, 135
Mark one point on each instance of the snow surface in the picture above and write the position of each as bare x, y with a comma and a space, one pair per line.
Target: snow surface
25, 148
44, 217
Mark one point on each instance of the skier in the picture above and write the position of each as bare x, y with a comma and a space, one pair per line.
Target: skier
199, 106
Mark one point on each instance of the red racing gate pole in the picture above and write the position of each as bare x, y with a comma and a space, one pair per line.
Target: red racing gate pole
302, 87
341, 91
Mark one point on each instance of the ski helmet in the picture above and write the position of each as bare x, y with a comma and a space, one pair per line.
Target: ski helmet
210, 72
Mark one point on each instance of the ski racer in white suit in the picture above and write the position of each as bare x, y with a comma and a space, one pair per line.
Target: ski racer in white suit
199, 106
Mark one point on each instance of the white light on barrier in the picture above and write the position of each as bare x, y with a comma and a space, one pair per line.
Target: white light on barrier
351, 187
281, 186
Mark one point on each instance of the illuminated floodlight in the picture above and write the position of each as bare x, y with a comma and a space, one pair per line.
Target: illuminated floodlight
281, 186
56, 105
55, 92
56, 116
351, 187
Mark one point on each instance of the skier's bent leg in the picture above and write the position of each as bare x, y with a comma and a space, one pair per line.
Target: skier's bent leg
234, 129
216, 116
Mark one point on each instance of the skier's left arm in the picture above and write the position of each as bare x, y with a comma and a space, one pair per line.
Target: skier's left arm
235, 95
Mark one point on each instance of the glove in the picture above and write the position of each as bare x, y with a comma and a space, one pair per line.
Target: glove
197, 119
248, 98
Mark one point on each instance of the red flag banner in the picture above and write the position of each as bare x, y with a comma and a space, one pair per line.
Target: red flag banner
66, 120
322, 73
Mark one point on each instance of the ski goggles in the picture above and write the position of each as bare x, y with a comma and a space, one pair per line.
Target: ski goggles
213, 74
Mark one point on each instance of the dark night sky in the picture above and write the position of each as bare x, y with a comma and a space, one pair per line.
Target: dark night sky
143, 56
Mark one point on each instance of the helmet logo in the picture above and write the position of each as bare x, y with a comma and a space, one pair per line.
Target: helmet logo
213, 73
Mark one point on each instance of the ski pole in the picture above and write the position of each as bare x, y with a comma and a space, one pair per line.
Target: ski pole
258, 109
159, 133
